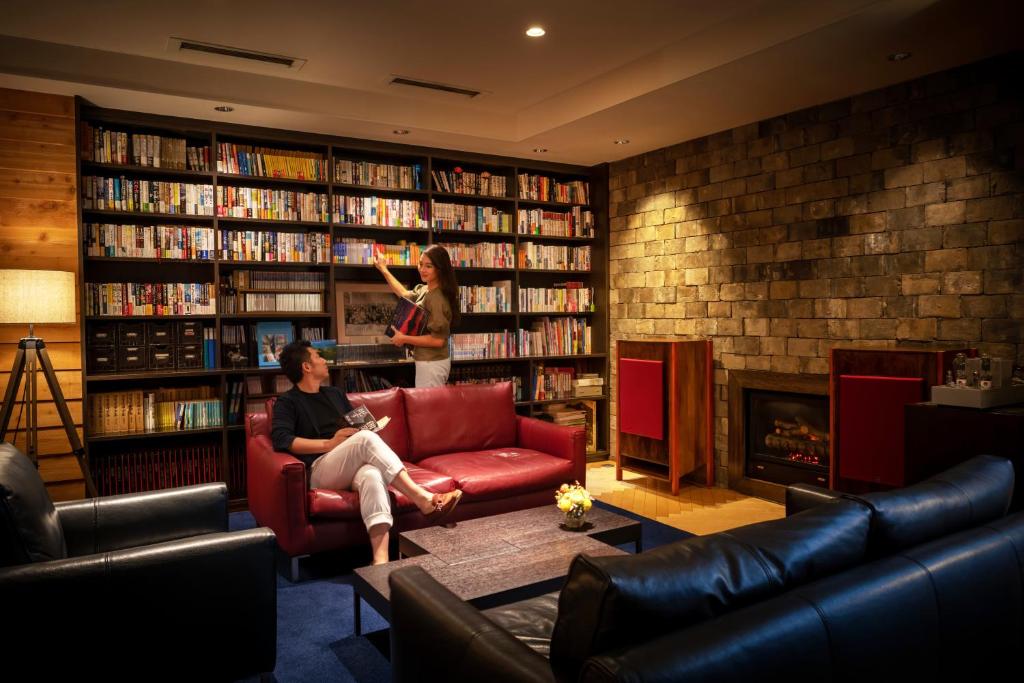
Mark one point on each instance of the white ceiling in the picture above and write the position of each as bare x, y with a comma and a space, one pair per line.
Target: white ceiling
656, 72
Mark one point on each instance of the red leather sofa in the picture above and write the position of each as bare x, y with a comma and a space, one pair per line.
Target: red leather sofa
466, 437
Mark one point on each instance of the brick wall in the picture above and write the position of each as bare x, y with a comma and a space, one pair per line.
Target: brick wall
895, 217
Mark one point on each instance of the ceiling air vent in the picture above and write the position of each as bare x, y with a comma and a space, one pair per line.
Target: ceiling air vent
440, 87
195, 46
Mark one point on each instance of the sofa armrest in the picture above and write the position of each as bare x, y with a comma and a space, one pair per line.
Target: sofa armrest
435, 636
562, 442
800, 497
202, 604
278, 493
126, 521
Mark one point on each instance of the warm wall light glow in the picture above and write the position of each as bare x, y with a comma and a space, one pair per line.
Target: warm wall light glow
540, 150
535, 31
621, 141
400, 131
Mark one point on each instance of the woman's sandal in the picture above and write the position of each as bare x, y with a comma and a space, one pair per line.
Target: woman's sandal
443, 504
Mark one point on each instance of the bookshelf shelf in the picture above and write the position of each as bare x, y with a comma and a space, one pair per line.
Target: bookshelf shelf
558, 313
379, 228
342, 187
199, 316
123, 436
136, 215
272, 264
233, 333
471, 198
546, 401
162, 261
530, 237
279, 222
152, 374
553, 205
102, 168
456, 234
239, 179
250, 315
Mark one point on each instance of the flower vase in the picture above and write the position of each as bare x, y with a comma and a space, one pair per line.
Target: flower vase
575, 522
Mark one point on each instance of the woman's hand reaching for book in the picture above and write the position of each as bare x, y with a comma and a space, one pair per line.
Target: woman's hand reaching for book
380, 263
399, 339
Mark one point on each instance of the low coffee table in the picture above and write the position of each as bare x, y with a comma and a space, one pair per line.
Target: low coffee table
496, 560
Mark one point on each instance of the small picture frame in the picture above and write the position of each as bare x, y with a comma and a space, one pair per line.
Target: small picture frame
365, 311
271, 338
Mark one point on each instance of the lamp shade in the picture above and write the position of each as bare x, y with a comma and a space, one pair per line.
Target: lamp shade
37, 296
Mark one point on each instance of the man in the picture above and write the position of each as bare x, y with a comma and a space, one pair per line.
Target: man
306, 424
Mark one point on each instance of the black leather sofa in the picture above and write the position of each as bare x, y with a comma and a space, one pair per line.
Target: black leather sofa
148, 586
921, 583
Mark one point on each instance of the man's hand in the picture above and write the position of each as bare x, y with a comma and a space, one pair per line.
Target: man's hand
399, 339
340, 436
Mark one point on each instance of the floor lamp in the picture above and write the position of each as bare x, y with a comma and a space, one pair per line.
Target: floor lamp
31, 297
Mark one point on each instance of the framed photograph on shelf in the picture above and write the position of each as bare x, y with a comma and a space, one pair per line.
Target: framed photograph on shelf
271, 338
365, 311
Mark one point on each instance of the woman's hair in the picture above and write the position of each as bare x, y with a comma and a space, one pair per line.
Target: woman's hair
445, 278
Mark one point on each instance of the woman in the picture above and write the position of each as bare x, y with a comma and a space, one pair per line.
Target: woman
439, 295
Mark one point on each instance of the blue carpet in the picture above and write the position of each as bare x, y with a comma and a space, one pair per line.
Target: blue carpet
315, 640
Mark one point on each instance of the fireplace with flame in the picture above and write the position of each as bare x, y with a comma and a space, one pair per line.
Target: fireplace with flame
787, 437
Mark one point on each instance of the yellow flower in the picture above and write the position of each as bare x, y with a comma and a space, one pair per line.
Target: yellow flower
587, 505
563, 488
564, 505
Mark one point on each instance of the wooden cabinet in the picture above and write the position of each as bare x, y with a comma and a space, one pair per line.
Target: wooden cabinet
664, 426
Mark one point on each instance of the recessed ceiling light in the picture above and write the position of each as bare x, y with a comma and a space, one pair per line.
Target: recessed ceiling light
540, 150
535, 31
400, 131
224, 108
622, 141
899, 56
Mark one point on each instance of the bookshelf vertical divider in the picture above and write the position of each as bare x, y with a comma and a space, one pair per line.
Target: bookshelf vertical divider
224, 380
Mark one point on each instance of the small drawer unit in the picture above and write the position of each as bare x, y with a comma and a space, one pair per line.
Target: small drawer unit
161, 357
101, 334
189, 356
131, 358
100, 359
190, 332
131, 334
160, 332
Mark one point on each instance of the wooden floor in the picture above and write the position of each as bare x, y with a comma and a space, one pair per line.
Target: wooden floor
697, 509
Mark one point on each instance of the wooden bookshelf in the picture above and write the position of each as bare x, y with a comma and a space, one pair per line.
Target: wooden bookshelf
371, 157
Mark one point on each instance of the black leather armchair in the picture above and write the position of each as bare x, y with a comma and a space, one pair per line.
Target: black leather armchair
144, 586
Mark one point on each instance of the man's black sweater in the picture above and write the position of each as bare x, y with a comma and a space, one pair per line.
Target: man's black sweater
310, 416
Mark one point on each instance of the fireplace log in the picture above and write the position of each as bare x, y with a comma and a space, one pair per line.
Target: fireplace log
798, 428
790, 444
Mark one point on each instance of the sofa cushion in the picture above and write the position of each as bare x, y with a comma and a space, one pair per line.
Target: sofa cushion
973, 492
466, 417
501, 472
530, 621
28, 521
390, 403
615, 601
330, 504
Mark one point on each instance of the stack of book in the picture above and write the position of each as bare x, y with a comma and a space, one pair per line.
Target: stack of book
587, 384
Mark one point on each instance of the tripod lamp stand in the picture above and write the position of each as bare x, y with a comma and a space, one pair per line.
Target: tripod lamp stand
31, 297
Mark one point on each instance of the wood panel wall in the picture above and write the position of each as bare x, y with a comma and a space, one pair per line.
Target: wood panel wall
39, 230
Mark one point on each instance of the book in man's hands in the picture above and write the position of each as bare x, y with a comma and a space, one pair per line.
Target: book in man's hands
409, 318
362, 418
